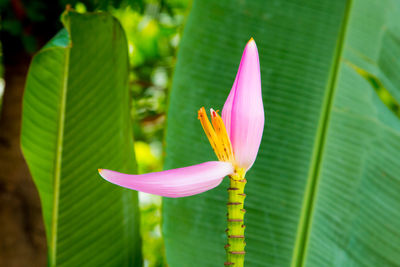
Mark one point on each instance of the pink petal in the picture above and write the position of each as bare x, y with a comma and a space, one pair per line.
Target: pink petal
227, 110
179, 182
244, 111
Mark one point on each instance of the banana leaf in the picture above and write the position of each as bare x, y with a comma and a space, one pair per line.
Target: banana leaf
76, 120
324, 190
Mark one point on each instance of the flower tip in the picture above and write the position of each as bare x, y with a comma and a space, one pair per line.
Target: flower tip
213, 113
251, 41
201, 113
251, 45
100, 170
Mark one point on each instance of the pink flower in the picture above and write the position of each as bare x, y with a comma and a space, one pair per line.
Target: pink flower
235, 139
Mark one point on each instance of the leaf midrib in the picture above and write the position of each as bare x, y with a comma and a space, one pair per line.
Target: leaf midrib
303, 232
58, 160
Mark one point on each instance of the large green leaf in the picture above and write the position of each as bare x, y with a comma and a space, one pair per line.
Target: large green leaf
75, 120
324, 190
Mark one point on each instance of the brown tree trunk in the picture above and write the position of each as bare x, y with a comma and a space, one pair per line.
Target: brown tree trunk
22, 234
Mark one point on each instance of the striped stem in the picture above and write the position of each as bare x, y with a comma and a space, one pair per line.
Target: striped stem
235, 232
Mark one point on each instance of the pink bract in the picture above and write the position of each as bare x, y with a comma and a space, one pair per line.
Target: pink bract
179, 182
243, 117
243, 112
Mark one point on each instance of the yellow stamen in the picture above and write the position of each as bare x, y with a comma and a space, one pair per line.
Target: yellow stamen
221, 132
216, 134
208, 129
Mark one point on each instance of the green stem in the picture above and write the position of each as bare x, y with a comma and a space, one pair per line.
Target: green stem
235, 231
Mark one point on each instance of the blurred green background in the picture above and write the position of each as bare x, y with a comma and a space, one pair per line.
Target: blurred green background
153, 38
